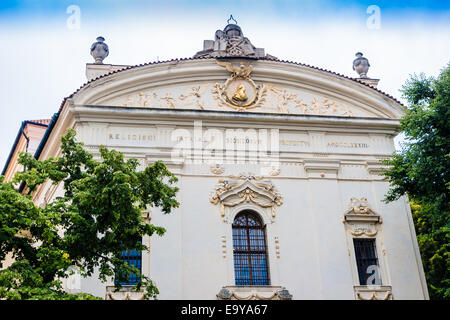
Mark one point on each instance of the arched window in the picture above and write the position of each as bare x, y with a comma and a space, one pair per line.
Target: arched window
250, 251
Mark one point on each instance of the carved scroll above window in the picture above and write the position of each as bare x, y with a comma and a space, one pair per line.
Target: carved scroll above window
246, 189
359, 206
360, 219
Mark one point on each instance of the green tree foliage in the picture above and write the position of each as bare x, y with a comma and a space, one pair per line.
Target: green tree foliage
421, 170
99, 216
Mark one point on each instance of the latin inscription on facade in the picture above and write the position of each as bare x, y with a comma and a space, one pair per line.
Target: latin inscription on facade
347, 145
239, 139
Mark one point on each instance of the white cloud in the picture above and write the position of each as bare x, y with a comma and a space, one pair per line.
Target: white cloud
41, 65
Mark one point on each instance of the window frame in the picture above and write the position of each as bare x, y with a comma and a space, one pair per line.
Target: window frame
262, 226
132, 279
363, 275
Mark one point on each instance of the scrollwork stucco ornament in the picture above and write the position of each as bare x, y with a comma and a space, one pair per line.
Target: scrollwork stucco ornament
239, 91
274, 171
368, 293
361, 220
217, 169
234, 191
123, 294
360, 206
249, 293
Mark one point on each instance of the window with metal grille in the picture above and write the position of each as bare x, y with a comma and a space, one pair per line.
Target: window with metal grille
367, 262
133, 258
250, 251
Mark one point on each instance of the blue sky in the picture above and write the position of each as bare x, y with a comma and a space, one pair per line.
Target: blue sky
309, 9
43, 60
286, 5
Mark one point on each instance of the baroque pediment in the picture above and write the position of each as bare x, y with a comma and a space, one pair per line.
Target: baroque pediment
246, 189
240, 86
360, 219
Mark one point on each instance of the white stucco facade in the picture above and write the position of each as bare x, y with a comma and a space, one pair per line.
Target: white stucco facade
328, 135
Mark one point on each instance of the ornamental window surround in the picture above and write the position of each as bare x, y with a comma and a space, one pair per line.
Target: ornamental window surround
367, 254
233, 197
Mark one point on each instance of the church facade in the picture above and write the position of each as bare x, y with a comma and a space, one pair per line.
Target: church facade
279, 168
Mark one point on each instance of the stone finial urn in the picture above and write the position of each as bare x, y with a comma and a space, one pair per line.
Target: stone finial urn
361, 65
99, 50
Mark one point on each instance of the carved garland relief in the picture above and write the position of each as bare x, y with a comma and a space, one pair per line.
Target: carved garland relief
385, 294
274, 293
240, 93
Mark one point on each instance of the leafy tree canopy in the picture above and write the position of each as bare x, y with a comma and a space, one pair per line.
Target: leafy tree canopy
99, 215
421, 170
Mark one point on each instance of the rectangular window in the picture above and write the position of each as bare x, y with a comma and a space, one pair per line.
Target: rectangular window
367, 262
133, 258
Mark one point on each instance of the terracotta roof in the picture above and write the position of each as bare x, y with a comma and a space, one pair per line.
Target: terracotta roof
267, 59
40, 121
342, 76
